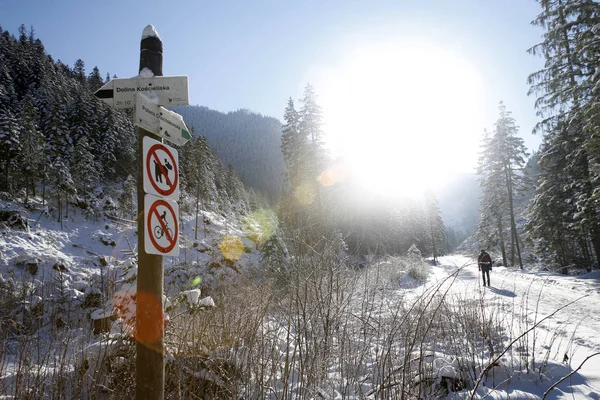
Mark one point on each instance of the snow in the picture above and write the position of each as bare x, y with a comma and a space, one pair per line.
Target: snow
515, 296
146, 73
150, 31
207, 302
192, 297
573, 331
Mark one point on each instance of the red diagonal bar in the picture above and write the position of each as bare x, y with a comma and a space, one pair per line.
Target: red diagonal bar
154, 212
162, 169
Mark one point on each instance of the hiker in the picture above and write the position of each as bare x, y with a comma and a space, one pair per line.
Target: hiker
484, 261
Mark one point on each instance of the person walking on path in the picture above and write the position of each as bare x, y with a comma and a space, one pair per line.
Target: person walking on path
484, 261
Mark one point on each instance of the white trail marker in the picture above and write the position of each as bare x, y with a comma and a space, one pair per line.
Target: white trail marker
121, 93
157, 119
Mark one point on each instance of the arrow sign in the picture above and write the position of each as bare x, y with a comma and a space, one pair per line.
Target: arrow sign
161, 231
161, 169
156, 119
169, 90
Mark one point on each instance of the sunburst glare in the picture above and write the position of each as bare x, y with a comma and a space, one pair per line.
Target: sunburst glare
403, 115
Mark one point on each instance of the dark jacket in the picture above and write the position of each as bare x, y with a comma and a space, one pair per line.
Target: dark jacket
484, 261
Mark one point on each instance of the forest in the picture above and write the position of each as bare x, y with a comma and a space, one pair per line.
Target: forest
288, 284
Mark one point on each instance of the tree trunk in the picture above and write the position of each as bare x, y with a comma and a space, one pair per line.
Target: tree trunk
59, 207
432, 242
501, 237
513, 225
512, 247
27, 185
32, 182
44, 187
197, 211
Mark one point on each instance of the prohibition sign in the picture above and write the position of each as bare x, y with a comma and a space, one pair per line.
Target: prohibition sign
161, 170
162, 234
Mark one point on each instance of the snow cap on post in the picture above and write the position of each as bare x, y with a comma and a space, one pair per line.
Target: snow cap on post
151, 49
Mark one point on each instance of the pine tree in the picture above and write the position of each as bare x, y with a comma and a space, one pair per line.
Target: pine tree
565, 101
293, 147
550, 222
310, 126
59, 143
80, 116
31, 158
95, 81
235, 190
9, 147
128, 199
197, 171
84, 169
79, 72
490, 230
435, 225
511, 152
64, 187
501, 177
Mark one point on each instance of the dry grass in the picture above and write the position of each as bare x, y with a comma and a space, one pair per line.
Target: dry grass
314, 328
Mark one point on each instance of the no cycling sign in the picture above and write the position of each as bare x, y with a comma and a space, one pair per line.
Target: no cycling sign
161, 169
161, 229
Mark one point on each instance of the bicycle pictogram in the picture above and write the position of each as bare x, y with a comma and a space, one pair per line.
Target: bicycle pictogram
161, 228
158, 229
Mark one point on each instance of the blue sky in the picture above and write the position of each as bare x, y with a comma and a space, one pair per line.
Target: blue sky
255, 54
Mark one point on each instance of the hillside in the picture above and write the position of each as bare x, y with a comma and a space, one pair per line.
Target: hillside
250, 142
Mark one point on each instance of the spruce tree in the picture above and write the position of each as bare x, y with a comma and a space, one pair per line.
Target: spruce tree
31, 158
310, 126
511, 152
492, 209
435, 225
293, 147
550, 223
95, 81
84, 169
565, 101
79, 72
197, 171
10, 148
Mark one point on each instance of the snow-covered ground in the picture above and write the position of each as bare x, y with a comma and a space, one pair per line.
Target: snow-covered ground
517, 299
574, 331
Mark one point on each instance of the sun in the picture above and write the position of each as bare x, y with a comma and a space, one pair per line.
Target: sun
403, 115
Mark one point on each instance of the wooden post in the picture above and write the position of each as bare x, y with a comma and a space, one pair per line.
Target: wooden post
149, 319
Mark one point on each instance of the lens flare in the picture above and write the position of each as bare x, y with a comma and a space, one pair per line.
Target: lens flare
262, 224
151, 328
305, 194
335, 173
231, 247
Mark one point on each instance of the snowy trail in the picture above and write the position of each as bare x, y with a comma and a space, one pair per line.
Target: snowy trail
574, 331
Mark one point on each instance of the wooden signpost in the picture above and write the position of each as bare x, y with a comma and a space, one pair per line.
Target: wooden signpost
158, 189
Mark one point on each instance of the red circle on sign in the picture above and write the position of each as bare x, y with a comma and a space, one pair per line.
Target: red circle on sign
172, 185
172, 241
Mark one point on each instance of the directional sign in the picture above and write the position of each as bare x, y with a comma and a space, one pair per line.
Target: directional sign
169, 91
161, 169
159, 120
161, 231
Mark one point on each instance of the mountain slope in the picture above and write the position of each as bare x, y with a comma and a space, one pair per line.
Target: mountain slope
250, 142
